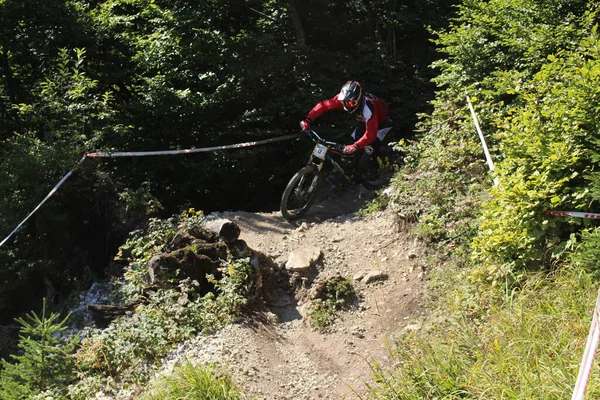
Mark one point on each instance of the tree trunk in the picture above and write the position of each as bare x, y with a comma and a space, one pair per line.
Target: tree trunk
297, 22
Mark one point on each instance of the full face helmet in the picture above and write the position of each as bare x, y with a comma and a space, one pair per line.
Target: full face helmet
351, 96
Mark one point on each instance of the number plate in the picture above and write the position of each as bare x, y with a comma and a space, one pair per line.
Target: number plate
320, 151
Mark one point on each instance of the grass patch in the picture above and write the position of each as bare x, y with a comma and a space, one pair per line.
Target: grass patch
337, 294
193, 382
530, 347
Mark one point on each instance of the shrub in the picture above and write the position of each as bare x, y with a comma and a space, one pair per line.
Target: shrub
45, 363
130, 348
193, 382
335, 296
548, 146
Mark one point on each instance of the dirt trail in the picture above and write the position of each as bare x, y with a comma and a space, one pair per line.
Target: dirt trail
278, 355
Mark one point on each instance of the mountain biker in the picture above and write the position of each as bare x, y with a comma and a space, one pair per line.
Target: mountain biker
373, 123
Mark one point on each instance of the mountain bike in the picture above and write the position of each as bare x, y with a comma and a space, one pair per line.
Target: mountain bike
301, 190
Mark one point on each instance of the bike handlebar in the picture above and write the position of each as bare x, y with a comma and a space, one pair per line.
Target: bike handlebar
318, 139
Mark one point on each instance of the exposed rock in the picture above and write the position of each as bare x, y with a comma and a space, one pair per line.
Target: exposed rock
239, 249
227, 230
374, 276
103, 314
302, 259
358, 331
360, 275
161, 267
388, 192
303, 227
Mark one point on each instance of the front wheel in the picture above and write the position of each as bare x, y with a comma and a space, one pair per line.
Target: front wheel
300, 192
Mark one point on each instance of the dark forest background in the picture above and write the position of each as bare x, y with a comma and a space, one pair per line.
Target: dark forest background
138, 75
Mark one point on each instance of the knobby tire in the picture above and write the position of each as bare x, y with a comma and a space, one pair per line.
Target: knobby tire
300, 192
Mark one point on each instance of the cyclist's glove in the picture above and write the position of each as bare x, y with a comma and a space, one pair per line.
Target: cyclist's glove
305, 125
350, 148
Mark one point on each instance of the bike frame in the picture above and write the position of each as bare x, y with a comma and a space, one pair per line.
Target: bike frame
327, 151
301, 190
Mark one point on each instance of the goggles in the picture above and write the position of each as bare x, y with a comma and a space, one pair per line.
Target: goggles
350, 103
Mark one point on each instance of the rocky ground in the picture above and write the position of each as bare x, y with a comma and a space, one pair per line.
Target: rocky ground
277, 354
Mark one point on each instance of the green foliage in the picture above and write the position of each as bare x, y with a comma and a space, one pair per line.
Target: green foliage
58, 122
548, 146
45, 365
151, 75
130, 348
142, 244
528, 348
540, 117
66, 105
586, 255
58, 125
336, 295
194, 382
140, 202
535, 101
441, 196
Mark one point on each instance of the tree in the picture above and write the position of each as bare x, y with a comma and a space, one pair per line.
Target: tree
45, 363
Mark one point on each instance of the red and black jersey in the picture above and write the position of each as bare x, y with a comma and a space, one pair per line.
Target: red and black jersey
373, 112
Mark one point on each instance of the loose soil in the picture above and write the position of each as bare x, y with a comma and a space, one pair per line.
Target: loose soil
277, 354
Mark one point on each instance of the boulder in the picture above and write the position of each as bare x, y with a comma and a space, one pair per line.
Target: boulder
161, 268
302, 259
227, 230
239, 249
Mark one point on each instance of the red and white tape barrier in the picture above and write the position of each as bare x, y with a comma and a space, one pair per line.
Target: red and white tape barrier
575, 214
589, 354
188, 151
145, 153
54, 189
591, 346
486, 151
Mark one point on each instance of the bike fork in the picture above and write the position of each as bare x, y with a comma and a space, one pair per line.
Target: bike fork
341, 170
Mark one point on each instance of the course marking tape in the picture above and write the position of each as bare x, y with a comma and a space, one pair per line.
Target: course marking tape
144, 153
188, 151
589, 354
591, 346
486, 151
575, 214
54, 189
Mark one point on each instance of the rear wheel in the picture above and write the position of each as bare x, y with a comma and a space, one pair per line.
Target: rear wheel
300, 192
